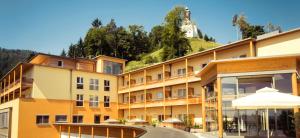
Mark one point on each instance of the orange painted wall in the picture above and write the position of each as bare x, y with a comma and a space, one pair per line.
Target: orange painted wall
29, 108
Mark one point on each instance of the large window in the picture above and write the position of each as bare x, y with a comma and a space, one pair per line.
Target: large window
60, 63
106, 85
181, 93
106, 117
251, 84
252, 122
4, 120
79, 82
106, 101
94, 84
112, 68
97, 119
159, 95
79, 100
94, 101
229, 86
42, 119
181, 72
77, 119
61, 118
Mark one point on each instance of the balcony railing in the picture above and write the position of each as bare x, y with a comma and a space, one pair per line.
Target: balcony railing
26, 82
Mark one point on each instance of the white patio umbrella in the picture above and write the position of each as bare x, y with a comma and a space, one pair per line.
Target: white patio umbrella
267, 98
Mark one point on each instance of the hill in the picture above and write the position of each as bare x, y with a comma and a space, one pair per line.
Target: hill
9, 58
197, 45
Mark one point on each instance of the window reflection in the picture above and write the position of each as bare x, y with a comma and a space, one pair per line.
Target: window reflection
112, 68
251, 123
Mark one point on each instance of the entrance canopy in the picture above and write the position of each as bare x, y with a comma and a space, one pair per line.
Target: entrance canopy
267, 98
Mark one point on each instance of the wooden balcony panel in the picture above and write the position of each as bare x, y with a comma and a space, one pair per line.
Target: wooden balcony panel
123, 105
137, 105
155, 85
196, 100
155, 103
175, 81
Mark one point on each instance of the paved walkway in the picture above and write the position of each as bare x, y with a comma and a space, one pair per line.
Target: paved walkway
162, 132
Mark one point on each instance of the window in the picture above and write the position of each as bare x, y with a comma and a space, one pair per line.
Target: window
77, 119
94, 101
79, 100
79, 83
203, 65
94, 84
181, 72
243, 56
97, 119
106, 117
60, 118
181, 93
42, 119
4, 120
106, 101
106, 85
113, 67
159, 95
159, 77
141, 80
60, 63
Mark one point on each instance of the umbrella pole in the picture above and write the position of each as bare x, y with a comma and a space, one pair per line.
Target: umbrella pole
267, 123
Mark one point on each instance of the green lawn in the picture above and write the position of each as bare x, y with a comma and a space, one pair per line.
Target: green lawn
196, 44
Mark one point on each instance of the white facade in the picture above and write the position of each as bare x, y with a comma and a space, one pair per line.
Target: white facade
188, 26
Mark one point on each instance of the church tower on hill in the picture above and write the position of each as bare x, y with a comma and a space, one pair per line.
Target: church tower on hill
188, 26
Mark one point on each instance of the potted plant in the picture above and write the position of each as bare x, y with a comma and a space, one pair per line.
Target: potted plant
187, 123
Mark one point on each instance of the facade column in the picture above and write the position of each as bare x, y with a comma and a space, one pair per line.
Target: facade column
203, 109
14, 83
145, 94
215, 55
164, 91
59, 131
220, 119
251, 48
107, 132
187, 87
21, 77
79, 132
9, 86
296, 110
122, 133
134, 134
92, 131
69, 131
129, 110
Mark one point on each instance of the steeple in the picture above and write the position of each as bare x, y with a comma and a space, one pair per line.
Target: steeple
187, 14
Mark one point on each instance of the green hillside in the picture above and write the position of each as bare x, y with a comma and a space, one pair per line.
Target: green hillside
155, 57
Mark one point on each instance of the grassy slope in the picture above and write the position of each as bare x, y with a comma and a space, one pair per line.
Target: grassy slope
196, 44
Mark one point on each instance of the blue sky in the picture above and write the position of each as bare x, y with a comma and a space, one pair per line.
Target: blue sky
50, 25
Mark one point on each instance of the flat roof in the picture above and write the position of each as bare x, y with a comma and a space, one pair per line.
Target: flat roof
214, 62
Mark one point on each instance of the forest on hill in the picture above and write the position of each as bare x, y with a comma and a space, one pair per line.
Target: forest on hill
9, 58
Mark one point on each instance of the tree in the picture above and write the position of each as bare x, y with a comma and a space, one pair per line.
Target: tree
271, 28
206, 38
96, 23
245, 28
63, 53
175, 43
140, 41
155, 37
200, 33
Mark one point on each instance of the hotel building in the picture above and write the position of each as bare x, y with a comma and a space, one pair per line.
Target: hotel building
53, 96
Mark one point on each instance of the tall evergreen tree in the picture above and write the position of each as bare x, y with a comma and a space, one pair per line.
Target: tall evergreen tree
96, 23
174, 41
63, 53
155, 37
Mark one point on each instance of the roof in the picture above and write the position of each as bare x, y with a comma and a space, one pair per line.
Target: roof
214, 62
104, 56
69, 58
